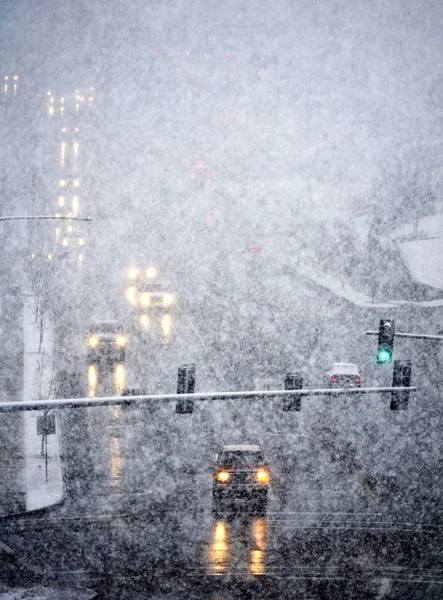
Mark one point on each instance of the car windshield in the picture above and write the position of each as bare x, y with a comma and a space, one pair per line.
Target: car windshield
235, 458
106, 328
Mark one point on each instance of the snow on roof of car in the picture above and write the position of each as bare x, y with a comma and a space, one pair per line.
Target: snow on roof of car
346, 368
106, 326
107, 322
242, 448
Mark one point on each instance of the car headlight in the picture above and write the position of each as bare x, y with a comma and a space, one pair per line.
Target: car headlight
121, 341
151, 273
145, 299
262, 476
133, 273
93, 341
168, 299
223, 476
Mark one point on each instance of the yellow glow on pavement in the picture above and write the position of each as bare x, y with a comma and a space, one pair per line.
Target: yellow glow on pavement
92, 380
131, 295
119, 378
166, 325
219, 549
75, 205
257, 555
116, 461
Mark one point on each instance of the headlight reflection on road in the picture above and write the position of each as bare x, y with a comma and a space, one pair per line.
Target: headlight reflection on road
166, 325
219, 549
63, 150
75, 205
119, 379
239, 545
131, 294
92, 380
257, 555
116, 460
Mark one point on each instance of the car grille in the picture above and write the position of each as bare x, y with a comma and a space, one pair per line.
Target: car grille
239, 477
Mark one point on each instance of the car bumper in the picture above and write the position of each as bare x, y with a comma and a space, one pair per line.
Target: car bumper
106, 354
232, 492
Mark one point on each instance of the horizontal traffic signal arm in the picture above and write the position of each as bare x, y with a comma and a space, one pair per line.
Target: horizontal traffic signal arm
7, 407
417, 336
43, 218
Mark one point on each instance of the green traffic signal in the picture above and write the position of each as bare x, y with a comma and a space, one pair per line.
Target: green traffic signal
384, 355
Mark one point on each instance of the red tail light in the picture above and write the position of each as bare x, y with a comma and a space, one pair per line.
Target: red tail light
357, 380
334, 379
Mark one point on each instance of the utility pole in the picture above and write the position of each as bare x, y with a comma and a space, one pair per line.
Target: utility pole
2, 201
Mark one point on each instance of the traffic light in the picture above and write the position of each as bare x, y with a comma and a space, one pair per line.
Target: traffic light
185, 385
401, 377
293, 381
385, 341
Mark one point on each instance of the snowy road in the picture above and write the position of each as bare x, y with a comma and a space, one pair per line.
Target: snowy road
345, 515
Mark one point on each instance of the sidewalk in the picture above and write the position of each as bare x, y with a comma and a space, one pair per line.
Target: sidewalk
40, 490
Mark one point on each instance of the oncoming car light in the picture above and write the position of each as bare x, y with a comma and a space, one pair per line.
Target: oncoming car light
145, 299
151, 273
121, 341
262, 476
93, 341
223, 476
133, 273
168, 299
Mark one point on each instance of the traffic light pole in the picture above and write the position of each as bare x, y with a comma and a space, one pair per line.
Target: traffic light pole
417, 336
8, 407
43, 217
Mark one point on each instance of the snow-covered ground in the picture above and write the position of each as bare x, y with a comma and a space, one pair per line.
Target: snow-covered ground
42, 489
345, 290
423, 253
41, 592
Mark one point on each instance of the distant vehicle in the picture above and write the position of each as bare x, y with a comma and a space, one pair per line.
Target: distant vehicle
146, 290
344, 375
106, 342
240, 473
156, 295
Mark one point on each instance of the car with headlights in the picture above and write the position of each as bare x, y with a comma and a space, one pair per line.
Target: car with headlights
343, 375
155, 295
240, 474
106, 342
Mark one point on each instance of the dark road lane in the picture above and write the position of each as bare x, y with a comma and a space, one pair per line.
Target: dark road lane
137, 518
